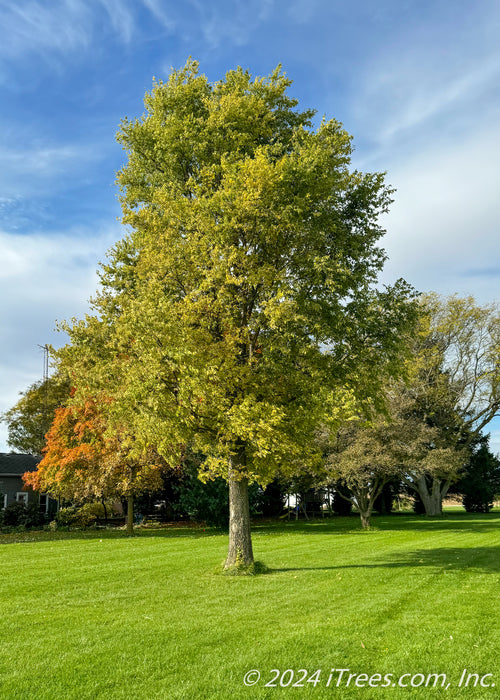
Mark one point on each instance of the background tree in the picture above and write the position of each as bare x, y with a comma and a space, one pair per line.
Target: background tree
462, 338
31, 417
271, 500
81, 462
399, 444
362, 462
426, 444
253, 247
452, 385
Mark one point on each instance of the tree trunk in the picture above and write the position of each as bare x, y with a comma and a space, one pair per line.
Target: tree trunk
433, 498
103, 501
130, 515
240, 538
444, 490
365, 519
363, 499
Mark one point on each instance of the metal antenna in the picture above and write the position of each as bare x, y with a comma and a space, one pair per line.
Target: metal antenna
45, 385
45, 349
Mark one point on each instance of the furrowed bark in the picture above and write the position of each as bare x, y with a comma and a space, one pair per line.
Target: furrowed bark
240, 538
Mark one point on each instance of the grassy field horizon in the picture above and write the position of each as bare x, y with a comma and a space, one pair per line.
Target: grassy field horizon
96, 614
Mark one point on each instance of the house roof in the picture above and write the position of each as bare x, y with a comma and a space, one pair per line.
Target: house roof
17, 464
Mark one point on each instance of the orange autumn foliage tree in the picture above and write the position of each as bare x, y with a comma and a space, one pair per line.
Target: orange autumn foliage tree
80, 462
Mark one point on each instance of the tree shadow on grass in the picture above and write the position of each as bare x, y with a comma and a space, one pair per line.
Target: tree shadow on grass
350, 525
459, 522
337, 525
446, 559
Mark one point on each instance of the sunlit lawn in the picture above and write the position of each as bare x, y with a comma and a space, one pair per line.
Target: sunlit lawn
100, 615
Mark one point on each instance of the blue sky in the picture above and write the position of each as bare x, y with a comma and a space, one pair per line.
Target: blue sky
417, 83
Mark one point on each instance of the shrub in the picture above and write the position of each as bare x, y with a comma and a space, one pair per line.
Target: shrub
65, 517
96, 509
208, 502
87, 514
21, 515
13, 514
79, 517
477, 503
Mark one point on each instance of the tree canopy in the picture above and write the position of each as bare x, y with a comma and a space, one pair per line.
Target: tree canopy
452, 386
80, 462
462, 338
360, 459
30, 418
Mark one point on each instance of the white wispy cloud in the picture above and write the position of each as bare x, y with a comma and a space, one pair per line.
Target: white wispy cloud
303, 11
441, 74
444, 226
403, 99
427, 106
31, 169
229, 22
121, 17
61, 27
39, 27
52, 31
43, 279
158, 10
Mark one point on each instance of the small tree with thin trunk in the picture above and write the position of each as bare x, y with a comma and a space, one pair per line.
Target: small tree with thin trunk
361, 461
81, 463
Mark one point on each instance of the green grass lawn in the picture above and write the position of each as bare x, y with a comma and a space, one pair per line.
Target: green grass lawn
100, 615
